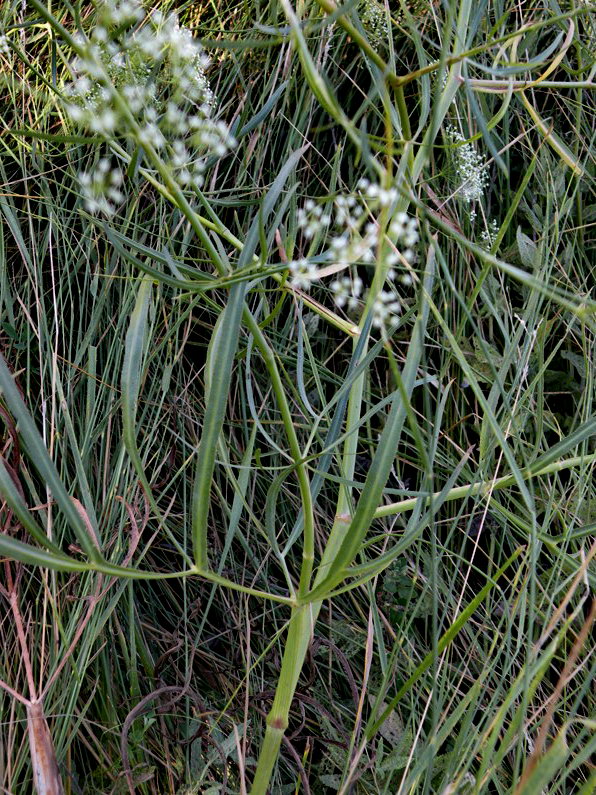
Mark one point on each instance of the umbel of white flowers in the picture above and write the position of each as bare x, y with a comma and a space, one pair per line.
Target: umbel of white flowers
352, 239
159, 70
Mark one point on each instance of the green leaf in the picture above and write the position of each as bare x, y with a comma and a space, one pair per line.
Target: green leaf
42, 461
221, 355
10, 493
547, 767
272, 195
262, 114
445, 640
527, 249
131, 371
33, 556
134, 346
384, 458
317, 83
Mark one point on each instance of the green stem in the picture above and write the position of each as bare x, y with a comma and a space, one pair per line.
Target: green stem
396, 81
299, 634
298, 640
483, 486
304, 618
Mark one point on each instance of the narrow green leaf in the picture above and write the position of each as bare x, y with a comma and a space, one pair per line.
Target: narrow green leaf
485, 126
33, 556
120, 240
583, 433
131, 370
384, 458
262, 114
552, 138
489, 416
10, 493
317, 83
42, 461
136, 339
222, 353
252, 238
547, 767
14, 226
59, 139
583, 307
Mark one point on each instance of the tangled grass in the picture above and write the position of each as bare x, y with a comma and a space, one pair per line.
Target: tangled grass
297, 394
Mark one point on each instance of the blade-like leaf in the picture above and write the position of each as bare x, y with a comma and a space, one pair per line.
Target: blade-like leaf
222, 352
15, 502
384, 458
445, 640
42, 461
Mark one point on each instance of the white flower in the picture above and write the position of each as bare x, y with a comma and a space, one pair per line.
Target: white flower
101, 188
82, 86
347, 212
489, 235
384, 196
404, 229
352, 240
347, 291
385, 307
312, 219
104, 122
357, 287
341, 289
302, 273
159, 70
469, 166
115, 13
151, 135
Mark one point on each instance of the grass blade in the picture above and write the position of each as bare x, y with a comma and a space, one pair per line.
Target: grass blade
43, 463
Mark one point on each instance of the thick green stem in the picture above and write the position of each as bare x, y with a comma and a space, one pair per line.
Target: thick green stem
304, 618
484, 486
298, 640
299, 634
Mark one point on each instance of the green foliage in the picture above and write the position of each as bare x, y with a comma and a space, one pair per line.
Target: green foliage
297, 395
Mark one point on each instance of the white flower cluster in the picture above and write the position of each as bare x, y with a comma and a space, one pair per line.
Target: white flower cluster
101, 188
303, 273
352, 240
117, 13
312, 219
404, 232
384, 196
157, 69
374, 19
489, 234
385, 307
4, 45
469, 166
347, 290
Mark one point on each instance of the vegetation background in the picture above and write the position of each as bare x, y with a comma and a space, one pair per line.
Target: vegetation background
454, 655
